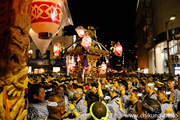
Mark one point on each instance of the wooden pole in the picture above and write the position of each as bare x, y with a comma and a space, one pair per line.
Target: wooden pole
14, 44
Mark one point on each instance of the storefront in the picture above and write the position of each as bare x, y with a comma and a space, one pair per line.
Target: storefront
39, 66
161, 58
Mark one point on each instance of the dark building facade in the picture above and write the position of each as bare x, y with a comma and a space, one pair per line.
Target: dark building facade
151, 35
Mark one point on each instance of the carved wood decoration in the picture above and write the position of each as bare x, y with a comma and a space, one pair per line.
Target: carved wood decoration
15, 17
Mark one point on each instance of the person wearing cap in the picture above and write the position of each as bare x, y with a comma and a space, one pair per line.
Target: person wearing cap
163, 97
175, 92
98, 111
149, 89
79, 106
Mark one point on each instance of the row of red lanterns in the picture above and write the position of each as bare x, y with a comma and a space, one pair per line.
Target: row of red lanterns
86, 39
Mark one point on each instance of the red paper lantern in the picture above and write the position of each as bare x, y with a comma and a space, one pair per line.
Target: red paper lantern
103, 67
86, 42
46, 17
56, 49
118, 49
80, 31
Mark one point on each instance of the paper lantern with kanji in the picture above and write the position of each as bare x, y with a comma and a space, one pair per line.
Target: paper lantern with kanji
118, 49
86, 42
80, 31
46, 17
56, 49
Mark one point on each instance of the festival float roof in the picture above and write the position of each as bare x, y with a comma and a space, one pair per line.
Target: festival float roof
95, 49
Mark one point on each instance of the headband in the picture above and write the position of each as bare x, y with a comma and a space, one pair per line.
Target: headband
165, 92
94, 117
54, 104
77, 92
111, 89
48, 90
168, 114
156, 88
107, 97
171, 81
139, 94
160, 82
150, 84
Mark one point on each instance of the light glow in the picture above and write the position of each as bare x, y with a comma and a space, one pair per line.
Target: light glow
172, 17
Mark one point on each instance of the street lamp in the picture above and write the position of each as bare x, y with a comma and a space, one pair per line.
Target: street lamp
172, 17
167, 34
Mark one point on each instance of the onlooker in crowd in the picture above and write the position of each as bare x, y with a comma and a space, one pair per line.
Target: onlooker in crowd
149, 89
37, 104
92, 96
79, 106
123, 86
163, 98
56, 107
176, 92
139, 97
61, 91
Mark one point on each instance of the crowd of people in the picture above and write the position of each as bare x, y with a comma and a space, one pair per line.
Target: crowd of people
131, 97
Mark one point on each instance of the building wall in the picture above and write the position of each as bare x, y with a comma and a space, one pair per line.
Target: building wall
67, 40
159, 60
151, 61
159, 11
143, 57
162, 11
142, 33
34, 47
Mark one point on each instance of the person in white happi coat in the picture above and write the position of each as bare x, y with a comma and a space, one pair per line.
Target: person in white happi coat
166, 106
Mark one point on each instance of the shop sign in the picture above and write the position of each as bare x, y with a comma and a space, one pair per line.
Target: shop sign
45, 62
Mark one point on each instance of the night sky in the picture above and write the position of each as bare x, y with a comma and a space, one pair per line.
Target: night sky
115, 19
